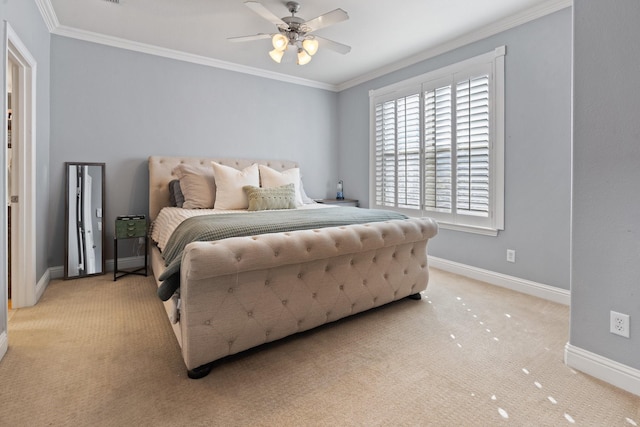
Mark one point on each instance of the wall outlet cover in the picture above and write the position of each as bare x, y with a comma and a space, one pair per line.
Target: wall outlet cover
619, 324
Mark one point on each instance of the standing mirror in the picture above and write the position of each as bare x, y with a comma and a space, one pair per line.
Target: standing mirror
84, 212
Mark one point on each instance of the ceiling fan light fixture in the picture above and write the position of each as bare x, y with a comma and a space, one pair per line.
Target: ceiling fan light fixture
293, 31
311, 46
280, 41
303, 57
276, 55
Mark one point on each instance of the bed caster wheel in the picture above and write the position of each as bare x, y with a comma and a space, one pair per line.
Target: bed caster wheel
416, 297
199, 372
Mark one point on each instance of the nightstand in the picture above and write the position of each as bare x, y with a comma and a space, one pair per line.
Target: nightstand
339, 202
129, 227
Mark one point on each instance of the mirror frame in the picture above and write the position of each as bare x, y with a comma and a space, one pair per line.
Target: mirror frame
66, 219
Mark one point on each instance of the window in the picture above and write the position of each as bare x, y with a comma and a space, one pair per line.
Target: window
437, 145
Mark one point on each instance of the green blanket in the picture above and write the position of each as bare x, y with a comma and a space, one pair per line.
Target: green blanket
216, 227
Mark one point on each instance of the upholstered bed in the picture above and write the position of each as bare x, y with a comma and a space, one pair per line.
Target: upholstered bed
241, 292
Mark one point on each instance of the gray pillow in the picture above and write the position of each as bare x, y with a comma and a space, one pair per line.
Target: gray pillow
260, 199
175, 193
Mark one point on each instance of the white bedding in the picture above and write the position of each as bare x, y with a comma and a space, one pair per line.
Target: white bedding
169, 218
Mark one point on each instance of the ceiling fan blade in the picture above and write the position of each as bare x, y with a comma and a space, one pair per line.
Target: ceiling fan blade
335, 46
264, 12
329, 18
249, 38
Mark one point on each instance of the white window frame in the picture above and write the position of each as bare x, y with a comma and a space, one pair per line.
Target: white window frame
495, 61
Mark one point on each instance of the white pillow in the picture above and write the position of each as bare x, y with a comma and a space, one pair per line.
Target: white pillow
229, 183
272, 178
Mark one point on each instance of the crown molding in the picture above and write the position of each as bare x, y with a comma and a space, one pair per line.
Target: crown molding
48, 14
513, 21
103, 39
51, 20
54, 27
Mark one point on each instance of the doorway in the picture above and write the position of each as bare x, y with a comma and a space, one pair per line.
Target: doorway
20, 174
11, 68
12, 172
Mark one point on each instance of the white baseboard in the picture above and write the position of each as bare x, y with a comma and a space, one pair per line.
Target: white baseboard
600, 367
42, 284
4, 344
550, 293
56, 272
126, 263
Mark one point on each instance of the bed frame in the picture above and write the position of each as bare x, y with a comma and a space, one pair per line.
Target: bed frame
242, 292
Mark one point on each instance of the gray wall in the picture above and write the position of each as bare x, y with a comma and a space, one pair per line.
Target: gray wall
26, 21
537, 157
606, 177
118, 107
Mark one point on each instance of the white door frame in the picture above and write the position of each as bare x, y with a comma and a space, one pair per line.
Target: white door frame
23, 254
3, 192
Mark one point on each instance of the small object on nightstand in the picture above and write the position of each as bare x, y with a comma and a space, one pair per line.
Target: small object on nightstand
339, 202
130, 227
340, 194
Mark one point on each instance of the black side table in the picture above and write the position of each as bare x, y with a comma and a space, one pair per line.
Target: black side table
130, 227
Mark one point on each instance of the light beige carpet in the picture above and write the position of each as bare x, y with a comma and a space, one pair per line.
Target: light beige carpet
94, 352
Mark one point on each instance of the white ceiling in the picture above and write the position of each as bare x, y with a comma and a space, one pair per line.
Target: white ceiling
384, 35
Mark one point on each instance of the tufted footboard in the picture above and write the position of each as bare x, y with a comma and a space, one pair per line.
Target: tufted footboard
242, 292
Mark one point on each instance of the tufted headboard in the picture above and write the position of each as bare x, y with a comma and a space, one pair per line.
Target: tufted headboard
161, 167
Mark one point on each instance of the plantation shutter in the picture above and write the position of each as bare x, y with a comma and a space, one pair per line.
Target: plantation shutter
438, 185
397, 152
408, 149
385, 172
472, 146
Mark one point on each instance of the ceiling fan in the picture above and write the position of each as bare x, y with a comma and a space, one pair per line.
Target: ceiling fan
295, 32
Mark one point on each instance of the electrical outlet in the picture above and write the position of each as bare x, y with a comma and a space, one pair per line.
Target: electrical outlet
511, 255
619, 324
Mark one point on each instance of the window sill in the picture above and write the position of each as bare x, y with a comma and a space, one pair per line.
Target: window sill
468, 228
